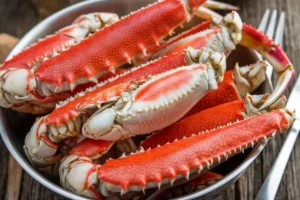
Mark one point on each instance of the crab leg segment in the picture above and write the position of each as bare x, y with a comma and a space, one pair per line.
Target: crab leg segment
255, 39
113, 46
170, 162
62, 39
202, 121
236, 84
157, 103
17, 75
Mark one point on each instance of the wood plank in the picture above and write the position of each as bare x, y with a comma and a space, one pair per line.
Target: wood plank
4, 156
14, 174
14, 179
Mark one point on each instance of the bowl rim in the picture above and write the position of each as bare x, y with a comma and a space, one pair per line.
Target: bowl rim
29, 36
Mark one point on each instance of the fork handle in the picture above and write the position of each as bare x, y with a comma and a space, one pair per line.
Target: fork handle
270, 186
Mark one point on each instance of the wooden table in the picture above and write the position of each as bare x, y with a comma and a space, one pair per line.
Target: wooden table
17, 17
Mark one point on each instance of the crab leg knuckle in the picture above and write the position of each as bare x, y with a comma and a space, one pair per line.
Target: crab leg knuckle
40, 150
80, 175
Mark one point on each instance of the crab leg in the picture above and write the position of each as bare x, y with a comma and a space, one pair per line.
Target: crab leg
185, 157
211, 118
108, 49
236, 84
45, 48
17, 74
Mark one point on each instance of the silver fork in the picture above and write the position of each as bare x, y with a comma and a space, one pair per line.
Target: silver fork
270, 186
270, 31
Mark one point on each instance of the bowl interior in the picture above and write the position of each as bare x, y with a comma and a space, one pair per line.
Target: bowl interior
14, 126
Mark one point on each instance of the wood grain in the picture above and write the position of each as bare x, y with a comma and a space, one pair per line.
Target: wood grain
17, 17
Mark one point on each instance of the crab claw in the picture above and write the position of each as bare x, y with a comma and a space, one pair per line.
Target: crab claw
160, 101
256, 40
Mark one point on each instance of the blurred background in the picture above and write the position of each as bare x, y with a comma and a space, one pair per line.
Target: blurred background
19, 16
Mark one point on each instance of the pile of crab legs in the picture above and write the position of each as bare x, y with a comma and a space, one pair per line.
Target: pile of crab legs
199, 113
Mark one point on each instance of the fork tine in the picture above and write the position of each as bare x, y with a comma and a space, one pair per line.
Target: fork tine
278, 35
280, 29
264, 21
271, 28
